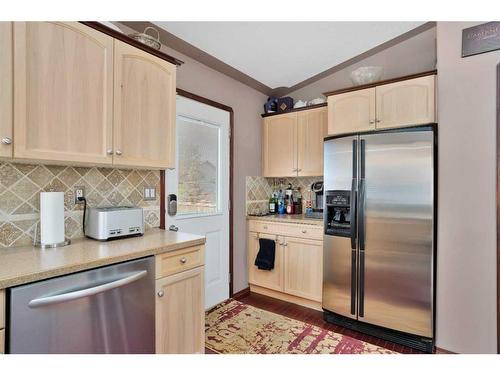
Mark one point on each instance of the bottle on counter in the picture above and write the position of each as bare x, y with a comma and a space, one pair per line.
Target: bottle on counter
289, 200
281, 203
273, 204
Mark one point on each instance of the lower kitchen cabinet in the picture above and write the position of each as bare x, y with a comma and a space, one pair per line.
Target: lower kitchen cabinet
272, 279
2, 341
180, 313
297, 275
303, 267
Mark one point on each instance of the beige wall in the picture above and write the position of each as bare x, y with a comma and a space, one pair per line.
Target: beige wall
247, 105
414, 55
466, 275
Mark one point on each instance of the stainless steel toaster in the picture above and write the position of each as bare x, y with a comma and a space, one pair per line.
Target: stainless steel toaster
103, 223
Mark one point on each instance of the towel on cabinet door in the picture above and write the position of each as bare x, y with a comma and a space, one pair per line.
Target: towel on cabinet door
265, 256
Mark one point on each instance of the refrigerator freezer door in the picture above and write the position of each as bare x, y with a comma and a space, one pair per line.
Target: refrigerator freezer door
396, 280
338, 254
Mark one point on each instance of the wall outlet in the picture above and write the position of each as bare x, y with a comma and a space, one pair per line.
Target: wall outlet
79, 193
149, 193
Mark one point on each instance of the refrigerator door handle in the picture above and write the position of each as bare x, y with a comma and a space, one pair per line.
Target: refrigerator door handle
353, 282
361, 307
361, 199
352, 208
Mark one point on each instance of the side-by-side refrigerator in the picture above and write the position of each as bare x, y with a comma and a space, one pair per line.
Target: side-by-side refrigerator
379, 242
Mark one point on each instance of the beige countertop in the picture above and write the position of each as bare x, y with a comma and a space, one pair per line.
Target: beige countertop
25, 264
296, 219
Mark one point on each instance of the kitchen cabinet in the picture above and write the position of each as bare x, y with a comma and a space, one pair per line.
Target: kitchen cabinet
351, 112
292, 143
311, 130
6, 90
279, 145
180, 312
396, 103
63, 93
410, 102
297, 276
144, 109
303, 265
272, 279
180, 316
2, 341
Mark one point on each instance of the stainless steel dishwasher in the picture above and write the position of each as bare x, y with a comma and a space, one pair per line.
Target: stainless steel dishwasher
103, 310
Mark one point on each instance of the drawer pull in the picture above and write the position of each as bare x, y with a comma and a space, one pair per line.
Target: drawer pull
161, 293
304, 231
183, 260
265, 226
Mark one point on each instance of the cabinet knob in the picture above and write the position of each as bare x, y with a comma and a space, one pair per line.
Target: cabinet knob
109, 152
118, 152
265, 227
372, 121
304, 231
183, 260
378, 120
6, 140
160, 293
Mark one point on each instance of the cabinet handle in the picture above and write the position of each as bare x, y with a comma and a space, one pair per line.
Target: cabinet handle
6, 140
118, 152
110, 152
265, 227
183, 260
372, 122
161, 293
378, 120
304, 231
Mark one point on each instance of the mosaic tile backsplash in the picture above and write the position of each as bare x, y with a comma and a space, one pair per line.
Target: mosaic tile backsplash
259, 190
21, 184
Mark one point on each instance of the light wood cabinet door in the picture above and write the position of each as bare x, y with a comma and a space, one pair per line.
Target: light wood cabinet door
6, 74
303, 266
351, 112
63, 93
180, 313
312, 127
279, 145
272, 279
144, 112
410, 102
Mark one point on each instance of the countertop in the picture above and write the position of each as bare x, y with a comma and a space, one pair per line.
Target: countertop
25, 264
296, 219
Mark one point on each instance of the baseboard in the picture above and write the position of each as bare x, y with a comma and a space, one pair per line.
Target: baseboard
443, 351
286, 297
242, 293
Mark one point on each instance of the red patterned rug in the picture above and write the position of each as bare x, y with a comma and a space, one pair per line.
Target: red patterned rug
236, 328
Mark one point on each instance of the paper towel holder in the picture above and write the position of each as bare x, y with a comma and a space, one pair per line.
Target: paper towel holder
37, 243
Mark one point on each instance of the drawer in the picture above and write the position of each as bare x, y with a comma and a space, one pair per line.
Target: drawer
179, 260
2, 309
2, 341
313, 232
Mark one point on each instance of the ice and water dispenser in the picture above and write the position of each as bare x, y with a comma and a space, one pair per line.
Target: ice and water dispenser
338, 213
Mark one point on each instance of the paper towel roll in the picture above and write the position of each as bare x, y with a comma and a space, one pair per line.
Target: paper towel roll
51, 218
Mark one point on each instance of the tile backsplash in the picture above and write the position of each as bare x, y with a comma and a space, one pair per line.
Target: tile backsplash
21, 184
259, 190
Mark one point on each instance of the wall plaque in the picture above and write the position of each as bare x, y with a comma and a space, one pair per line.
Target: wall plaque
480, 39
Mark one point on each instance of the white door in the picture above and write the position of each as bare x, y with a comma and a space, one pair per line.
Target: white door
201, 183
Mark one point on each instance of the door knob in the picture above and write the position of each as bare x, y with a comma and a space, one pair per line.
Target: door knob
6, 140
161, 293
118, 152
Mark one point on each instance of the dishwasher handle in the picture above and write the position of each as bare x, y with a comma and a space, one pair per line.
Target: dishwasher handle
66, 297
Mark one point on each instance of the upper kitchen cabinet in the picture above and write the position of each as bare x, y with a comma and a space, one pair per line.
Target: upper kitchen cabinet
409, 102
312, 128
144, 109
292, 143
63, 93
6, 90
387, 104
351, 112
279, 145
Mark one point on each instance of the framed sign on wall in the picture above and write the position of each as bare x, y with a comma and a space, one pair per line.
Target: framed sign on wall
480, 39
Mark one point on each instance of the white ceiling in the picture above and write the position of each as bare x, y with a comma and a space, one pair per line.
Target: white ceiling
285, 53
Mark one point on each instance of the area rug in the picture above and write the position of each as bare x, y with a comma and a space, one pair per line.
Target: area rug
233, 327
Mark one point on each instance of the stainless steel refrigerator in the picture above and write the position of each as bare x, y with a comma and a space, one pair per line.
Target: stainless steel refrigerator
379, 241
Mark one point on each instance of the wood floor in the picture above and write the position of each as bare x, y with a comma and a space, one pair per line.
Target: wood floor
314, 317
